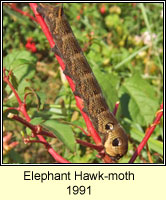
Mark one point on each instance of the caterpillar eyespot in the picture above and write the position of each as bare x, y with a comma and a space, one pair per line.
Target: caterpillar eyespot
113, 136
116, 142
109, 126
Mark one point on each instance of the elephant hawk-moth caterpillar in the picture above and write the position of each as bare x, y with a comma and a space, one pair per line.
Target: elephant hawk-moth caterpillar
113, 136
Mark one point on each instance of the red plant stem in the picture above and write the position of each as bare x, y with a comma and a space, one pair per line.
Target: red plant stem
116, 107
53, 153
22, 108
13, 6
6, 80
36, 129
87, 144
148, 133
81, 130
79, 101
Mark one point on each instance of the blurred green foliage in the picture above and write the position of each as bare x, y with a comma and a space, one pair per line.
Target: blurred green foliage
123, 43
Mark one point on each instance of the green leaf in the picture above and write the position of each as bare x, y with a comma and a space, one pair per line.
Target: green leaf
142, 103
108, 84
37, 121
22, 55
63, 132
22, 65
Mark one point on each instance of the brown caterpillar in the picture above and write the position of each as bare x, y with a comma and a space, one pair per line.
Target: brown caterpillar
114, 138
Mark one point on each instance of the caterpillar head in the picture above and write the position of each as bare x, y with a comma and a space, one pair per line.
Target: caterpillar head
115, 141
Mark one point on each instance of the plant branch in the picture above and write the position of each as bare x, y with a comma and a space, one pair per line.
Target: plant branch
87, 144
148, 133
116, 107
22, 109
6, 80
36, 129
13, 7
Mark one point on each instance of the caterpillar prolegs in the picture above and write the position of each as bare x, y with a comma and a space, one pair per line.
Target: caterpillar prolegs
113, 136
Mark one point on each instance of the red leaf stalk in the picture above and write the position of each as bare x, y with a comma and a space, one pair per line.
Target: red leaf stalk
148, 133
13, 7
116, 107
87, 144
36, 129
